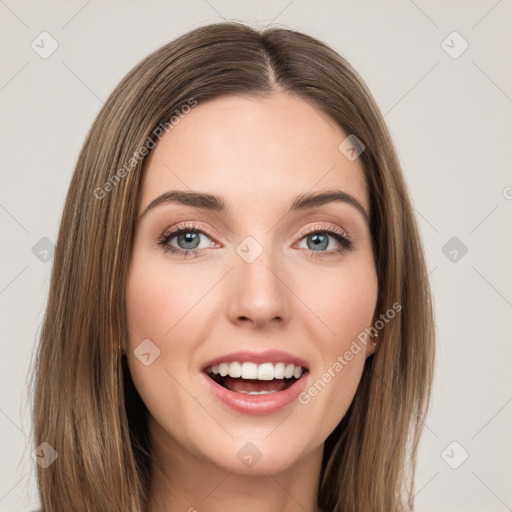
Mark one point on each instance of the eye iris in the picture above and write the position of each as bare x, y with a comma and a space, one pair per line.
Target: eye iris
189, 237
319, 240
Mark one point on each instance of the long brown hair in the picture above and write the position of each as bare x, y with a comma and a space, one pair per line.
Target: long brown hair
84, 403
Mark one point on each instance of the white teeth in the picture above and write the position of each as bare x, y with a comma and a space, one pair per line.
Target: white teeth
265, 371
223, 369
288, 371
235, 370
249, 371
257, 392
279, 371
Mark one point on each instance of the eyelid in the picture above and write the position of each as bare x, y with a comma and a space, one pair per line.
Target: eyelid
188, 225
323, 227
197, 226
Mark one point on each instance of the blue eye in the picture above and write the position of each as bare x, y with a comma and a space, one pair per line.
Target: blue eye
318, 240
188, 240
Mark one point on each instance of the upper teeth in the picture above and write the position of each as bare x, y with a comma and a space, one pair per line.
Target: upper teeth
265, 371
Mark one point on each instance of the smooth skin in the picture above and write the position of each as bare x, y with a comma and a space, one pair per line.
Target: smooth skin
258, 154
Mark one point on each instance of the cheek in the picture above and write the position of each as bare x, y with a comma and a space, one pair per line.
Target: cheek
343, 301
171, 307
148, 319
164, 306
161, 302
147, 298
345, 305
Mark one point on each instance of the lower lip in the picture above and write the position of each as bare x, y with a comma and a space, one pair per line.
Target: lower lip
256, 404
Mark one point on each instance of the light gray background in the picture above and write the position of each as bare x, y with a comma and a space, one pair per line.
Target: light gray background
450, 119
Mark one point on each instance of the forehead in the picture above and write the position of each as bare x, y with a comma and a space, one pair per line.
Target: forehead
253, 151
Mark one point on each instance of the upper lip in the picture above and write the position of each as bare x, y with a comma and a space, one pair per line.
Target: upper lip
268, 356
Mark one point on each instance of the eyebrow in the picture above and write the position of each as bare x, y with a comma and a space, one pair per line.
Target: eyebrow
216, 203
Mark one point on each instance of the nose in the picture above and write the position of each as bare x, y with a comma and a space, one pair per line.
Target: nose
257, 295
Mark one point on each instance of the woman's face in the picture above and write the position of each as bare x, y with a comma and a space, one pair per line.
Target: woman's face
252, 283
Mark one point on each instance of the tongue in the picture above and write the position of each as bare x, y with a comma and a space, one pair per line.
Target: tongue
239, 385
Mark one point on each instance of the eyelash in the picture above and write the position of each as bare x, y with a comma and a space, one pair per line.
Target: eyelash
338, 234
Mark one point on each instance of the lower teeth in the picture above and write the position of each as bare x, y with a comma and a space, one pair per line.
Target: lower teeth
257, 392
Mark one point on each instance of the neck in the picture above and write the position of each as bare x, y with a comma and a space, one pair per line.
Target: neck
182, 481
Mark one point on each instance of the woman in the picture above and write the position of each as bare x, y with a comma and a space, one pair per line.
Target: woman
239, 314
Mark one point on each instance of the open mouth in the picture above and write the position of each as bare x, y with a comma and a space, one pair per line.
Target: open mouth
253, 379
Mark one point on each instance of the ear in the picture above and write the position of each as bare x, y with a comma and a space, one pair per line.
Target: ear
371, 347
